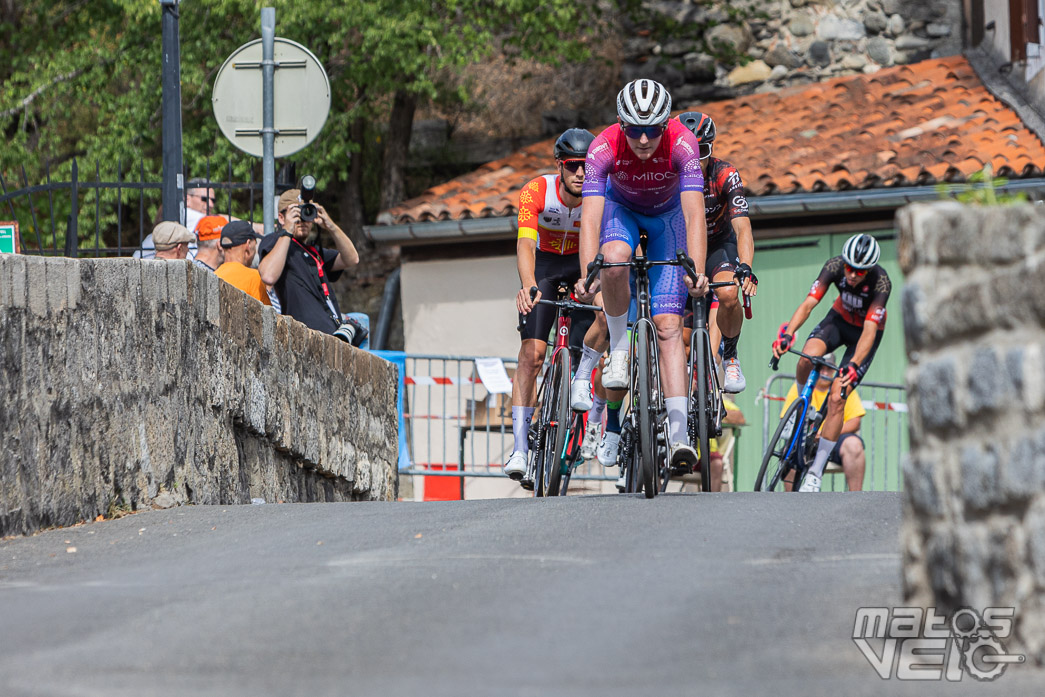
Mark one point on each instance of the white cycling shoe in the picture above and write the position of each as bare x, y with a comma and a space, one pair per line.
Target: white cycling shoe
682, 455
591, 440
516, 465
734, 381
810, 483
615, 371
580, 395
606, 453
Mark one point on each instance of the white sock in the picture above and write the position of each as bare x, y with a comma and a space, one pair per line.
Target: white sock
677, 419
521, 426
618, 326
597, 406
823, 452
589, 358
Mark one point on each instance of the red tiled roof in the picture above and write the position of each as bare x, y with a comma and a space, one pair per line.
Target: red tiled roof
908, 125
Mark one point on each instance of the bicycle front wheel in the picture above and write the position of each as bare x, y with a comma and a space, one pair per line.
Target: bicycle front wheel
703, 370
647, 416
559, 425
775, 462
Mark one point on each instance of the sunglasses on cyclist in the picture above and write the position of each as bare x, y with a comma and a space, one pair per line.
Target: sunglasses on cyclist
705, 150
572, 165
651, 132
856, 272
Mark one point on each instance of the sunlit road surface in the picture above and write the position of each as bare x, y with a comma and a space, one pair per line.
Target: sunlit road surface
703, 594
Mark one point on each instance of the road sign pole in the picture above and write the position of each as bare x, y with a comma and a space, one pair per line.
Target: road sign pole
173, 184
268, 134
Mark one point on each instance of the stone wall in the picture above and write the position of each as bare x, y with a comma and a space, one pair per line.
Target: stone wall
130, 384
974, 499
788, 41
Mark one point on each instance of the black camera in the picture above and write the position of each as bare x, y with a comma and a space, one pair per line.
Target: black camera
308, 190
352, 331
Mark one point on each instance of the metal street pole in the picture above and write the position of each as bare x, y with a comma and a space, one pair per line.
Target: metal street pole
268, 132
173, 182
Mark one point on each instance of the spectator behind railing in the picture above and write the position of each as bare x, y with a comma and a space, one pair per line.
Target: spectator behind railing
239, 241
208, 231
172, 240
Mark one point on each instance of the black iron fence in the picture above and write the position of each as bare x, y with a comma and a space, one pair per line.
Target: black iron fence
86, 216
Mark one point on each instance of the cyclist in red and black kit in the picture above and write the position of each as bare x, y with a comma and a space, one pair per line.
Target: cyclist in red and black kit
731, 246
856, 321
549, 226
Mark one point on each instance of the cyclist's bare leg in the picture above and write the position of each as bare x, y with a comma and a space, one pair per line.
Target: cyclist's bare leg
673, 373
531, 358
597, 336
714, 333
716, 471
616, 293
832, 427
814, 347
730, 314
853, 459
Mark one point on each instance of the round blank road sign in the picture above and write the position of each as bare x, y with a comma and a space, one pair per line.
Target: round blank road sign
301, 97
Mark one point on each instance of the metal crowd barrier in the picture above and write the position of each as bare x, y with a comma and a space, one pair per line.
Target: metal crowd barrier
455, 427
883, 429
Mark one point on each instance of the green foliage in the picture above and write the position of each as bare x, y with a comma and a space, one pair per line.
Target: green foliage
981, 189
83, 79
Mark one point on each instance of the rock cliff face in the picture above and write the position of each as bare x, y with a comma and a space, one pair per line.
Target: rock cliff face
737, 47
131, 384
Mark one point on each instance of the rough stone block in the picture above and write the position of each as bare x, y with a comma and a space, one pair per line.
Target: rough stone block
17, 280
178, 281
154, 281
979, 477
972, 551
936, 384
1001, 239
920, 489
1034, 523
36, 285
989, 384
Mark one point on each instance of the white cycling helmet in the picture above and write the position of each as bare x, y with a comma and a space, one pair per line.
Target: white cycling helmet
643, 103
861, 251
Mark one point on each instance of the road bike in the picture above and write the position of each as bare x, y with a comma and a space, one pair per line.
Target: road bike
791, 449
704, 402
643, 452
551, 461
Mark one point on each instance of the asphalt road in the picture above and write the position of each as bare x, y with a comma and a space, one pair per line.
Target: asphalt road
722, 594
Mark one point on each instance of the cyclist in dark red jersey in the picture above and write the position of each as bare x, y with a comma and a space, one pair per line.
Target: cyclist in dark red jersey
731, 246
856, 321
549, 225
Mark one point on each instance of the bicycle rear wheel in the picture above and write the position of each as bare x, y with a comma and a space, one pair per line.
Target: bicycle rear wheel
775, 462
647, 417
558, 426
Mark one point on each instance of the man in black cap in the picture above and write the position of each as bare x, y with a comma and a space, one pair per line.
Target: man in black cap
240, 242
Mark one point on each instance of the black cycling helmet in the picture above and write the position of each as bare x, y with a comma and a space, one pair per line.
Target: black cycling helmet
573, 144
702, 125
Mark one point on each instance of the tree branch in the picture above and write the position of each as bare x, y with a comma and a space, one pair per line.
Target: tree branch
40, 90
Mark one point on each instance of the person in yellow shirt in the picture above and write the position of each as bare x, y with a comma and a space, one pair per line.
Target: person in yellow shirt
849, 450
239, 242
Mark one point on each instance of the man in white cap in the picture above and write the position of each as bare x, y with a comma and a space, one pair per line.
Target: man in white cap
172, 240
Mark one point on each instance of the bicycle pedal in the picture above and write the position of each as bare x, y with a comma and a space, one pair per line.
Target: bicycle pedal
526, 484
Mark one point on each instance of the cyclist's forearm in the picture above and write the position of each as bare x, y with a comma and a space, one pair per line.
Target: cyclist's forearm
696, 228
526, 252
591, 222
745, 240
801, 315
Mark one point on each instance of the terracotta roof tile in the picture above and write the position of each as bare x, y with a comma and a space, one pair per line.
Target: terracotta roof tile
914, 124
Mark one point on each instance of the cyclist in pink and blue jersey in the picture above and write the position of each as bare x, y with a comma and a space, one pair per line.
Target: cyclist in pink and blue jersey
644, 173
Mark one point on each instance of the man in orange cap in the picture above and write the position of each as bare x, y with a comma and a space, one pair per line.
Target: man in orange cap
209, 254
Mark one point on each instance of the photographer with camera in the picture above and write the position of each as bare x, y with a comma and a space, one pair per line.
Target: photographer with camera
301, 270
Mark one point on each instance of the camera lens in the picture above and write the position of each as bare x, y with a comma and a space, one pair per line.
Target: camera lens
308, 182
